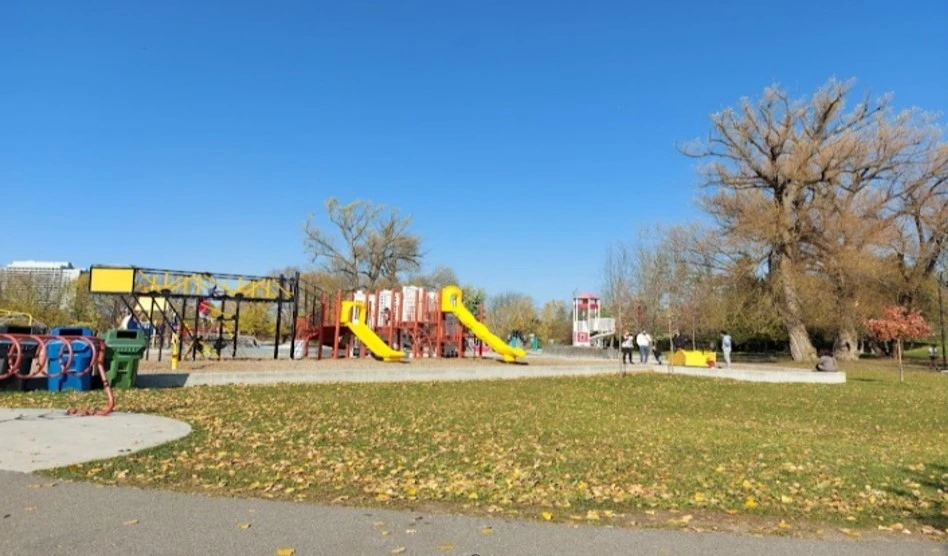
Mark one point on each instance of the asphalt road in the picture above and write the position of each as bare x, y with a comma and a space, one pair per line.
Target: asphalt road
44, 516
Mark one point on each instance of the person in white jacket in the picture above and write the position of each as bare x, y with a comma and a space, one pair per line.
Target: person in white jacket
644, 341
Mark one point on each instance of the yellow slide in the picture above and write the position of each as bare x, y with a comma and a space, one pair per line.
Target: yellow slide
365, 334
451, 303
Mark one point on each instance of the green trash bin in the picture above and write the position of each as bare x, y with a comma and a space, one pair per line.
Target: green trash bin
123, 351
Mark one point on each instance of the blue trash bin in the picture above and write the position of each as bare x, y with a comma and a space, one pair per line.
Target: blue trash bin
72, 331
60, 381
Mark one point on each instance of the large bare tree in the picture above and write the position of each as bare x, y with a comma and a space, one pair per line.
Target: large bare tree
371, 245
812, 184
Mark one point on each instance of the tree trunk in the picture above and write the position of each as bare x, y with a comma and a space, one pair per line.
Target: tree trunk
898, 349
844, 346
788, 306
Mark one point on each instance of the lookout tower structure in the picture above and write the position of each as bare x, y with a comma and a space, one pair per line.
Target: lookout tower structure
589, 328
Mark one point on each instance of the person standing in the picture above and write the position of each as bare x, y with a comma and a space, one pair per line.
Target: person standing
628, 341
644, 342
933, 356
726, 347
679, 342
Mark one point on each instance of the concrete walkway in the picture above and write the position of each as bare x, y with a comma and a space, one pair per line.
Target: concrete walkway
43, 516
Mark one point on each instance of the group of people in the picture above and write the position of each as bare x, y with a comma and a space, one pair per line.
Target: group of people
643, 340
646, 345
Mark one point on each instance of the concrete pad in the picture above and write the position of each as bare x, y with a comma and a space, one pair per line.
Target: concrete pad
753, 374
32, 439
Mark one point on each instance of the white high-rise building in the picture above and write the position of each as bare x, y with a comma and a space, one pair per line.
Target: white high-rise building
46, 280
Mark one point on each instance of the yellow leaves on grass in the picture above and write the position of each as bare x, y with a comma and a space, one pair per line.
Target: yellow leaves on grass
526, 446
681, 521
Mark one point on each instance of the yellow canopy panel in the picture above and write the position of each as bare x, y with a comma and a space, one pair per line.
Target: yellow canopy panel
111, 280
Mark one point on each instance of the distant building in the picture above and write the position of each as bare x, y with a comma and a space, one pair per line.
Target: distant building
45, 281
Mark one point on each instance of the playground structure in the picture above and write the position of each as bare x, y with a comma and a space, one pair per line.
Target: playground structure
197, 314
693, 358
589, 328
393, 324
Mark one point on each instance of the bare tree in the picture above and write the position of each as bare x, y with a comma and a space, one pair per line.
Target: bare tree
370, 247
556, 325
439, 277
769, 161
511, 312
619, 277
922, 215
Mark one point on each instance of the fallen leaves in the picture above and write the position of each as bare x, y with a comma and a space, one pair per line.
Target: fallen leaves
516, 447
681, 521
130, 522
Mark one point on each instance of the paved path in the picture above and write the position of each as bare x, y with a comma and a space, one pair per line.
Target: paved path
42, 516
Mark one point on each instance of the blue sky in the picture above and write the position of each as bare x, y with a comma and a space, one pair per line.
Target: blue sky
523, 137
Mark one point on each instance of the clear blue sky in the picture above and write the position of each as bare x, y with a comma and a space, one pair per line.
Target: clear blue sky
523, 137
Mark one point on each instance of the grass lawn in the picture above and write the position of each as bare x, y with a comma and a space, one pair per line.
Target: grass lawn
647, 448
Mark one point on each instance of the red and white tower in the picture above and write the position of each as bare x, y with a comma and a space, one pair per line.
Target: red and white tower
585, 318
